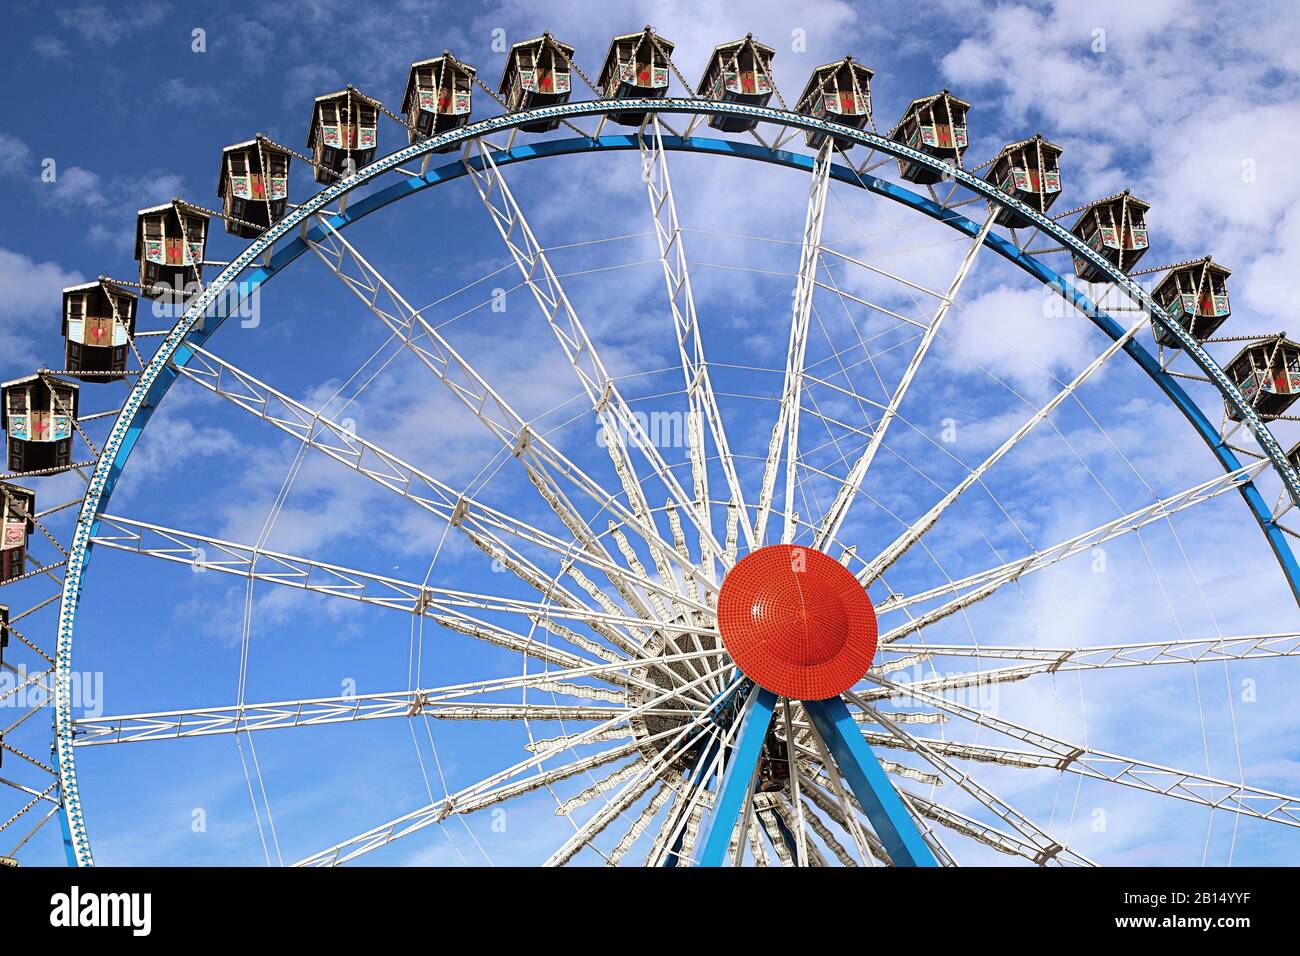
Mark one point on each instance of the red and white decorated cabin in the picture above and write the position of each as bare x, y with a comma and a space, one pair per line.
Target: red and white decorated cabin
343, 135
253, 186
437, 97
636, 67
1195, 295
739, 72
1268, 374
839, 92
38, 414
17, 506
170, 243
935, 125
1115, 227
539, 72
98, 323
1030, 171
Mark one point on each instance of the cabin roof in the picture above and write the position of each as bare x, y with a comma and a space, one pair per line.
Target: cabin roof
1178, 268
722, 48
533, 42
174, 206
17, 491
246, 144
409, 92
34, 378
27, 380
1047, 144
922, 101
349, 92
818, 76
106, 284
1241, 357
608, 65
1144, 206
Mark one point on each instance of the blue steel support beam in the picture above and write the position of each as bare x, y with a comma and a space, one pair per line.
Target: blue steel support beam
866, 778
738, 777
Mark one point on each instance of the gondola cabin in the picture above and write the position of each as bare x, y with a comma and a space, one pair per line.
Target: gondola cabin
1268, 374
1195, 295
253, 186
98, 323
437, 97
39, 412
739, 72
539, 72
17, 506
935, 125
636, 67
344, 134
1116, 228
170, 243
841, 93
1029, 171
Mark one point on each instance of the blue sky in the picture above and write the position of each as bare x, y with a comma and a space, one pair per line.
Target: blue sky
1189, 104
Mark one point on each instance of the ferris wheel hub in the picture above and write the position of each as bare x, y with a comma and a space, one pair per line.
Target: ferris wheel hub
797, 622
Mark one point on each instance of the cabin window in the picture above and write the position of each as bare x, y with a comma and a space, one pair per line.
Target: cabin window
153, 227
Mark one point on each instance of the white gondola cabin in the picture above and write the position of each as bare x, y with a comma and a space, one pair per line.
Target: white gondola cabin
1115, 227
841, 93
739, 72
1195, 295
935, 125
98, 323
636, 67
437, 97
253, 186
170, 243
17, 506
1030, 171
344, 134
38, 414
539, 72
1268, 374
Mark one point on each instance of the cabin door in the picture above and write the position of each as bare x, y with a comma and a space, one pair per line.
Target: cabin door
99, 330
848, 107
175, 251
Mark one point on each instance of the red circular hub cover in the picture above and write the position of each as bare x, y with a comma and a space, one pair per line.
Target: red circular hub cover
797, 622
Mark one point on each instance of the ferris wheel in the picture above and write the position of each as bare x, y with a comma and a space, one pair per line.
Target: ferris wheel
740, 632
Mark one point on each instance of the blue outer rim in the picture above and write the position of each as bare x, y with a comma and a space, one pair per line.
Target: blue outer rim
202, 319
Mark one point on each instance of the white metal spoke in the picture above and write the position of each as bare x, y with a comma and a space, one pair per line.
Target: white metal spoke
785, 433
689, 734
490, 790
441, 702
1050, 850
1078, 544
681, 302
836, 514
346, 447
1139, 774
923, 524
540, 459
1053, 660
616, 418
